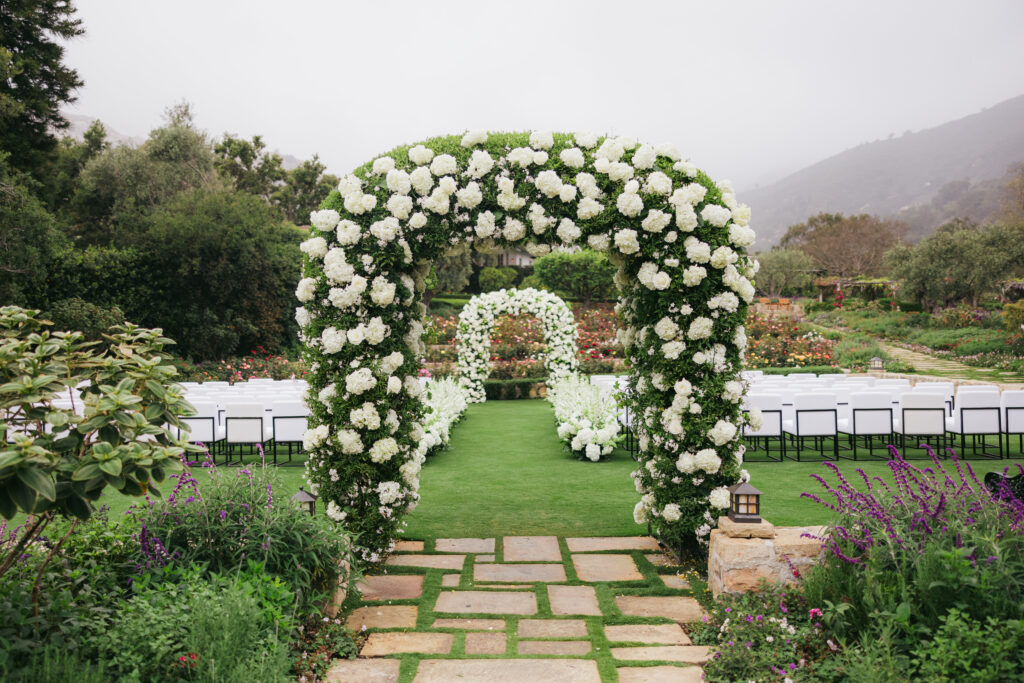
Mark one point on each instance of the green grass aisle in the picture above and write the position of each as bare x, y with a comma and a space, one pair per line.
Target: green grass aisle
506, 473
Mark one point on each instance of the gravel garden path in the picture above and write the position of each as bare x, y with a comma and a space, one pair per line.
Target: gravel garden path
525, 609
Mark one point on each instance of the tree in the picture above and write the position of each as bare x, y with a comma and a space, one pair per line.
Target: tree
305, 186
1012, 200
784, 271
960, 262
225, 266
250, 168
29, 238
450, 274
585, 274
846, 246
121, 186
64, 168
493, 279
35, 82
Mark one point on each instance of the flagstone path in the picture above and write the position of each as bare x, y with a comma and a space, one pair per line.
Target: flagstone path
519, 609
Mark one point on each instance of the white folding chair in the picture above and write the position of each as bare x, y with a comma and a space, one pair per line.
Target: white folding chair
1012, 403
289, 422
977, 413
922, 415
245, 423
770, 406
815, 416
203, 427
871, 416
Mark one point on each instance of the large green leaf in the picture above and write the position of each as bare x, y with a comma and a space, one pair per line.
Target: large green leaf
111, 467
78, 507
23, 496
38, 481
7, 507
86, 472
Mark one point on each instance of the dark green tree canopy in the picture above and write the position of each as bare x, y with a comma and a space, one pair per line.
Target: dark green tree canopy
34, 82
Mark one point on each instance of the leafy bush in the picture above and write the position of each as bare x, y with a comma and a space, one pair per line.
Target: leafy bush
1013, 316
91, 320
55, 458
509, 389
585, 275
967, 649
492, 279
235, 518
202, 628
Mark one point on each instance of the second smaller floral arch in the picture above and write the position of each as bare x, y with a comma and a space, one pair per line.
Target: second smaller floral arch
476, 323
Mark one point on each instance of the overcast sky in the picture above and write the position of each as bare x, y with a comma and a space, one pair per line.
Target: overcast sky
749, 90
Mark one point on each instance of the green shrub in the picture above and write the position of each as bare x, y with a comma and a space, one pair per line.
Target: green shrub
492, 279
967, 649
585, 275
1013, 316
51, 663
200, 628
77, 314
911, 307
812, 307
510, 389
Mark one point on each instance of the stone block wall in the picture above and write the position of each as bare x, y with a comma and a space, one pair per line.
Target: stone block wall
740, 555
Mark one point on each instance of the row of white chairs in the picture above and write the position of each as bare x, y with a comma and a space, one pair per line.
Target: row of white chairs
870, 411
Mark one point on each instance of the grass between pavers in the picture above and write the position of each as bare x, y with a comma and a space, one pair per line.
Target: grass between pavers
606, 591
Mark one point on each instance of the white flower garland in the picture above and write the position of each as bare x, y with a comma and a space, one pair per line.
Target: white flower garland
476, 323
445, 403
675, 235
587, 416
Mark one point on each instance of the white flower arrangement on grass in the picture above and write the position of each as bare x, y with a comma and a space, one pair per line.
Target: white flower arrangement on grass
476, 323
445, 403
586, 416
678, 239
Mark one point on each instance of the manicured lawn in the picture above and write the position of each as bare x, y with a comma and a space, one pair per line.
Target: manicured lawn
506, 473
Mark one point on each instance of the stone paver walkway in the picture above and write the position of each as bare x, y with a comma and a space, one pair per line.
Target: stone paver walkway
525, 609
949, 369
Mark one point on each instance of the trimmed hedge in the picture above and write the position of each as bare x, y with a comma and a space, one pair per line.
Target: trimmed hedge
512, 389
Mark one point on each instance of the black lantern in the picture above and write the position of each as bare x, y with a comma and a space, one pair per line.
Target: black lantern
744, 503
877, 364
306, 498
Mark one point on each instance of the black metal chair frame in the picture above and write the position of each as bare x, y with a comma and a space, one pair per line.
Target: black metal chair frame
1006, 423
819, 440
213, 430
229, 447
869, 439
943, 438
754, 439
985, 453
273, 423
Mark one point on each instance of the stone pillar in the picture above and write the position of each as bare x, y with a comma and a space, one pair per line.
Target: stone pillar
741, 555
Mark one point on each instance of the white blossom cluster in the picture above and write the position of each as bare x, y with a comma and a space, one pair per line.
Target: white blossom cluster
445, 403
587, 416
679, 242
476, 322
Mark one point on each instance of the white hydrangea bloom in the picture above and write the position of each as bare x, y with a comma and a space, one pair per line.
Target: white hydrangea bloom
480, 164
444, 164
420, 155
314, 247
567, 231
626, 241
474, 137
400, 206
656, 221
599, 242
629, 204
644, 157
360, 381
383, 450
700, 328
324, 219
382, 165
719, 498
542, 140
305, 290
572, 157
716, 215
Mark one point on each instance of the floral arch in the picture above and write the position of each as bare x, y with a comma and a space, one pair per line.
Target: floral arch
476, 323
678, 239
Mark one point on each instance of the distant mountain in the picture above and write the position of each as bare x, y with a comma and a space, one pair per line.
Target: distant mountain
918, 177
80, 124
